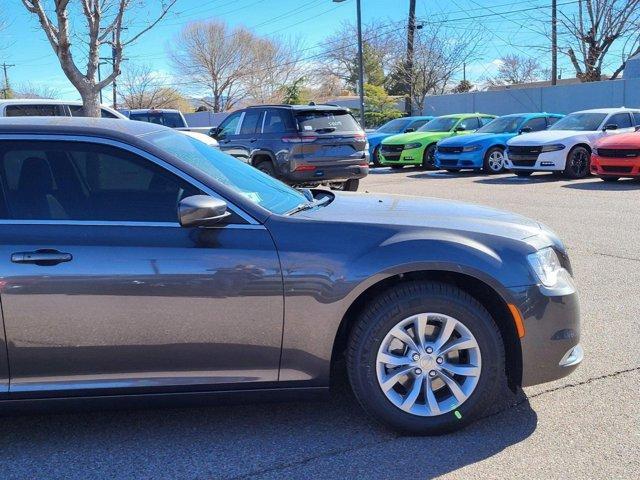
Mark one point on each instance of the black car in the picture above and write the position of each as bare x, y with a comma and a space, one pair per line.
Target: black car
299, 144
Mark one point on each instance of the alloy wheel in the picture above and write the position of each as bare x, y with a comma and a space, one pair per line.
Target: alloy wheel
496, 161
579, 164
428, 364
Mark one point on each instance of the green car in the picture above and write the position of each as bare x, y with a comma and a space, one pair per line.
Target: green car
419, 147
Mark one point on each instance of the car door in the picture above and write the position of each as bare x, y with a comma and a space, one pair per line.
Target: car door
102, 289
623, 121
248, 136
227, 135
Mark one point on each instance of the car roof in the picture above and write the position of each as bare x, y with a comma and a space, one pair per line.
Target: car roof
325, 107
533, 114
147, 110
103, 127
608, 110
466, 115
49, 101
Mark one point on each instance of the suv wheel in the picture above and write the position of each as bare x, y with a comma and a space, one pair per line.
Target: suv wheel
425, 358
578, 163
348, 186
266, 167
429, 157
493, 160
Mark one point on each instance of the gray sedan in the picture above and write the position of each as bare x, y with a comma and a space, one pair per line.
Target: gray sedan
137, 265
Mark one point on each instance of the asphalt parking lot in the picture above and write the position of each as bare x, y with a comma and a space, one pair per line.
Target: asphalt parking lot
584, 426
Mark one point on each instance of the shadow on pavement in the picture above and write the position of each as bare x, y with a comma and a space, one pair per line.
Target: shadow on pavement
512, 179
443, 175
330, 439
627, 184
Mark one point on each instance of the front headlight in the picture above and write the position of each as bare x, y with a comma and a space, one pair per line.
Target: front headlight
553, 148
471, 148
546, 265
409, 146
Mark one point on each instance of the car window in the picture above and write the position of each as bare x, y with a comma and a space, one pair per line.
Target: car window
278, 121
552, 120
439, 124
168, 119
486, 121
536, 124
251, 122
34, 110
636, 118
398, 125
229, 125
508, 124
622, 120
418, 123
83, 181
78, 111
323, 121
580, 121
470, 123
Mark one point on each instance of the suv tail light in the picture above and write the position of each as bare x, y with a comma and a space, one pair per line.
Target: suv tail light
360, 137
299, 139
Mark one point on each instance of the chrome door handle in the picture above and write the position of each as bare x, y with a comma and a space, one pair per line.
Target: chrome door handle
42, 257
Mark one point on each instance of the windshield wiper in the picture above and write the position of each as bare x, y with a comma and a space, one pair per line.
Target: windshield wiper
309, 205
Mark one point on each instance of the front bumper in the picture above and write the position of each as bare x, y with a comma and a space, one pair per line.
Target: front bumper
460, 160
406, 157
545, 162
615, 167
552, 333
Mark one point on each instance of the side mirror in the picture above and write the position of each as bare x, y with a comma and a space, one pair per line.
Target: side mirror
460, 129
409, 130
610, 126
637, 128
214, 132
525, 130
201, 211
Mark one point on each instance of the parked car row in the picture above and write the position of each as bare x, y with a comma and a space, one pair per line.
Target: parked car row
572, 145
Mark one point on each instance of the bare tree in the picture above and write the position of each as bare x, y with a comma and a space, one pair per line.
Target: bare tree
516, 69
593, 29
32, 90
141, 87
104, 23
214, 57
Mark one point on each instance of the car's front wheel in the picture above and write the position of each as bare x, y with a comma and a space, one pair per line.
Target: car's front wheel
425, 358
266, 167
375, 160
429, 157
493, 160
578, 163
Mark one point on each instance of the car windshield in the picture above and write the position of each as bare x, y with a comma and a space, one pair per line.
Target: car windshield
168, 119
256, 186
502, 125
394, 126
580, 121
441, 124
323, 121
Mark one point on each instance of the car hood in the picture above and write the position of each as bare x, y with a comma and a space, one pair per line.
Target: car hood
423, 212
623, 140
414, 137
547, 136
472, 138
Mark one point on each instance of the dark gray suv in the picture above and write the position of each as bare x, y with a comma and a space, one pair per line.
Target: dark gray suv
299, 144
139, 264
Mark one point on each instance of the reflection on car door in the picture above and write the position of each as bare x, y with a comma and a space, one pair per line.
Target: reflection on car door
101, 288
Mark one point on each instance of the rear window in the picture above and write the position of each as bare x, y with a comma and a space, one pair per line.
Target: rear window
47, 110
326, 122
168, 119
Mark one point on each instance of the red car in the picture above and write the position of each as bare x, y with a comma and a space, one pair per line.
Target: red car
617, 156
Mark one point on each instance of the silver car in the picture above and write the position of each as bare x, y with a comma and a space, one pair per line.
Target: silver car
138, 264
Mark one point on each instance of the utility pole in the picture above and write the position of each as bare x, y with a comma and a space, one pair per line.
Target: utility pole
5, 90
554, 42
411, 29
360, 65
113, 63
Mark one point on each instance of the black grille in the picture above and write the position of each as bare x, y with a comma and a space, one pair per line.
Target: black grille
524, 150
618, 152
391, 149
615, 169
449, 149
448, 163
523, 163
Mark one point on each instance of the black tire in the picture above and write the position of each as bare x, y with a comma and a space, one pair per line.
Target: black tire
397, 167
578, 163
348, 186
429, 157
487, 161
453, 170
266, 166
523, 173
375, 160
386, 311
610, 179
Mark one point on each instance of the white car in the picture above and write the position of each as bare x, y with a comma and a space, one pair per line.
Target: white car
566, 146
206, 139
42, 107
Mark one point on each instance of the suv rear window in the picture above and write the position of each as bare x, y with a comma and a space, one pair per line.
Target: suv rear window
322, 121
168, 119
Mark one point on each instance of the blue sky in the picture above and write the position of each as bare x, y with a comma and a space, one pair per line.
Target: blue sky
309, 20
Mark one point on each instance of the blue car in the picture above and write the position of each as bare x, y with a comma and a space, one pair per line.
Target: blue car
392, 127
484, 149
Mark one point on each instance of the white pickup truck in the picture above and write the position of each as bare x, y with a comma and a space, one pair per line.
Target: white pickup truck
41, 107
164, 116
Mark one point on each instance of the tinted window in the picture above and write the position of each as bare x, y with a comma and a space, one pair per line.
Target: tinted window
536, 124
584, 122
78, 111
81, 181
636, 117
168, 119
320, 121
34, 111
470, 123
552, 120
502, 125
398, 125
486, 120
622, 120
441, 124
250, 123
229, 125
278, 121
418, 123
